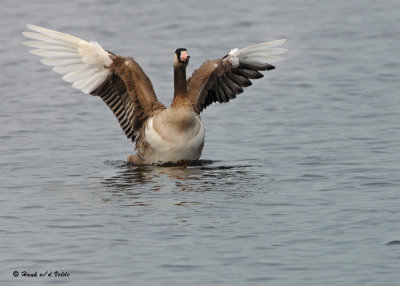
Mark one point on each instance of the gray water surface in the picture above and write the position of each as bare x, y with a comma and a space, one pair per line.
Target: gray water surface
299, 182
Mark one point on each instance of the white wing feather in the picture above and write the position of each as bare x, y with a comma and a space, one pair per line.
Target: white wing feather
257, 54
83, 63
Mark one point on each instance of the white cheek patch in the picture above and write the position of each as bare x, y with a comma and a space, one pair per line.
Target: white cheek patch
184, 55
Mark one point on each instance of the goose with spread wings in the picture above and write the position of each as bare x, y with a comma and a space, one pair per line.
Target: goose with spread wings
161, 135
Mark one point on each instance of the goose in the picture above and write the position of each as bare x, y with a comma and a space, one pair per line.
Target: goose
160, 134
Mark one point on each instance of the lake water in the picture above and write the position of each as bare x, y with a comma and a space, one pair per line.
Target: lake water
299, 182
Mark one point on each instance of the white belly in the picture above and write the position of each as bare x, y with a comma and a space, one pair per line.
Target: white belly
174, 145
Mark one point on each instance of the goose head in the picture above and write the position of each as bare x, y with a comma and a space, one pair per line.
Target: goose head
181, 58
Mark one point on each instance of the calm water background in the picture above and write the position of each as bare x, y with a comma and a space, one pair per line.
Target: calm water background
301, 179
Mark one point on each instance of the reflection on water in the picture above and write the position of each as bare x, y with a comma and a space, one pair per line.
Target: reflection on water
135, 182
131, 175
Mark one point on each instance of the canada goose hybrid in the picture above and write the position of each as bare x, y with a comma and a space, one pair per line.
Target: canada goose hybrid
161, 135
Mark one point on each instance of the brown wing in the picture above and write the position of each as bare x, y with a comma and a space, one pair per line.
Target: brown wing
129, 93
218, 81
222, 79
119, 81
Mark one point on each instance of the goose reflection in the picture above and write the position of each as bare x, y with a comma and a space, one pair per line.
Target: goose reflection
133, 176
200, 176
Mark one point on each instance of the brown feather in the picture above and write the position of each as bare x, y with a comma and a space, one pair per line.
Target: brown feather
218, 80
240, 78
130, 95
257, 67
248, 73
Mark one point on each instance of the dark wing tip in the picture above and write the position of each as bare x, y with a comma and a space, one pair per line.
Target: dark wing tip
257, 66
269, 67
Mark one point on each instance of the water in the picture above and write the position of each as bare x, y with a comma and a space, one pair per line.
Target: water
299, 179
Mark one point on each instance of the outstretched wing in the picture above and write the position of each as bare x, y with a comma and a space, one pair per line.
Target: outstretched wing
119, 81
222, 79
